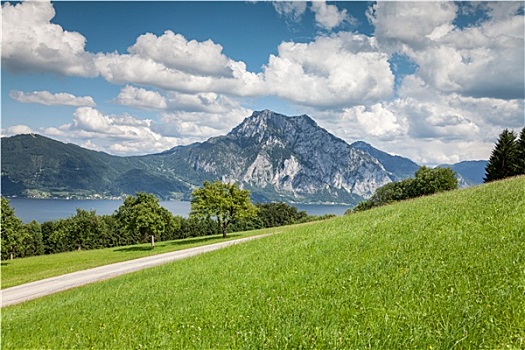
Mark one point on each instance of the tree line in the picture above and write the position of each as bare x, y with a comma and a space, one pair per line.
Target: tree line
217, 208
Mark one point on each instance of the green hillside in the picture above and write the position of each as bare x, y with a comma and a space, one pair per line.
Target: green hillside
37, 166
441, 272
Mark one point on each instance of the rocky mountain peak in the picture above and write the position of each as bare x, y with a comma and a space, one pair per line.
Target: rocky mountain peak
267, 126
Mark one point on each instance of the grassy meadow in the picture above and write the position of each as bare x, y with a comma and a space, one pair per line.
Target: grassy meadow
19, 271
440, 272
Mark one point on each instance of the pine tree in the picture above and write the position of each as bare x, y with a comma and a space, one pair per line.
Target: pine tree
520, 153
503, 159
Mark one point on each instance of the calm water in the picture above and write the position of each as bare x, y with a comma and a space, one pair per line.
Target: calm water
53, 209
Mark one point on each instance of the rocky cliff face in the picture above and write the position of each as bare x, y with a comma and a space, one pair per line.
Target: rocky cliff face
291, 158
295, 155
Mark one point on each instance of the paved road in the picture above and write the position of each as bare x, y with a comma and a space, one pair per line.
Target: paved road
33, 290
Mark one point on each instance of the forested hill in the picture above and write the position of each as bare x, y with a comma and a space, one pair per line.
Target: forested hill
37, 166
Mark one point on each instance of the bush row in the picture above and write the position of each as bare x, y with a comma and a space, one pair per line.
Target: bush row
427, 181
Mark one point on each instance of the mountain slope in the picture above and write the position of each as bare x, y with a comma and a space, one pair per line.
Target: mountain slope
472, 171
399, 167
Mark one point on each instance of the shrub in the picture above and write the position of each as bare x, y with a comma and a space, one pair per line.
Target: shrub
426, 182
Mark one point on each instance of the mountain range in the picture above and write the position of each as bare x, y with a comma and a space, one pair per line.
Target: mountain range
276, 157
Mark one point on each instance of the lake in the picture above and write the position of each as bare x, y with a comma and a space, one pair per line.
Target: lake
42, 210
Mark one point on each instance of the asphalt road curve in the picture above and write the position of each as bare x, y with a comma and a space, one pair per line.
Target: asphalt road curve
37, 289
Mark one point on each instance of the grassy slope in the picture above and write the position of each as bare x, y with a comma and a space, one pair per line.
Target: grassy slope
441, 272
20, 271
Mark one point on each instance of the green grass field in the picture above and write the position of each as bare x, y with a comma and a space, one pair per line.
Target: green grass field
25, 270
442, 272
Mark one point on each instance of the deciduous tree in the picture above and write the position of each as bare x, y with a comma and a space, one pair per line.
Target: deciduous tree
429, 181
141, 216
224, 202
36, 246
14, 236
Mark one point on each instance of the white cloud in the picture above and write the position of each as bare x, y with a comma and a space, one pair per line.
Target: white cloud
141, 98
328, 16
175, 52
337, 70
399, 24
495, 114
489, 114
435, 119
171, 101
125, 69
500, 10
30, 42
124, 134
16, 130
204, 102
485, 60
170, 62
119, 134
198, 126
426, 125
49, 99
377, 121
292, 10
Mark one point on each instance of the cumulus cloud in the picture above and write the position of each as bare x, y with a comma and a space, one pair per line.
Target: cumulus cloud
486, 60
206, 102
129, 68
141, 98
377, 121
118, 134
125, 134
409, 24
169, 61
340, 69
30, 42
426, 125
328, 16
200, 125
49, 99
451, 116
175, 52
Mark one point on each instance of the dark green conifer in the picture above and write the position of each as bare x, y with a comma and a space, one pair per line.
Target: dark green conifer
503, 159
520, 145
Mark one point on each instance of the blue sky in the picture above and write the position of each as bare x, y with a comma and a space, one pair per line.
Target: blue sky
434, 81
